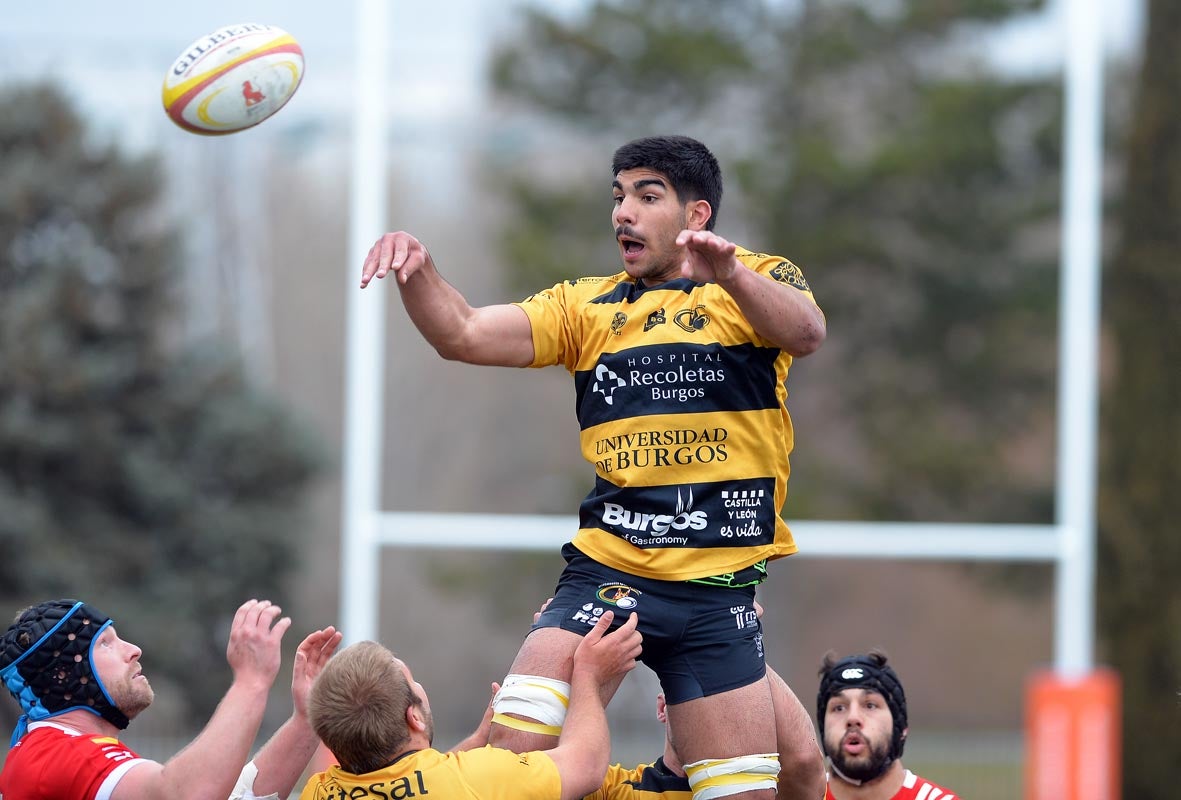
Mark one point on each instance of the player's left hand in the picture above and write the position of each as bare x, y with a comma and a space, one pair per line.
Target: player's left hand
708, 258
537, 614
313, 653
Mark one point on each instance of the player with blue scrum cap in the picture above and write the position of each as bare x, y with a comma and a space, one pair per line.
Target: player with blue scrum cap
79, 684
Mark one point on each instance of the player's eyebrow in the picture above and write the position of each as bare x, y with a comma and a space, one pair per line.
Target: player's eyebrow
640, 184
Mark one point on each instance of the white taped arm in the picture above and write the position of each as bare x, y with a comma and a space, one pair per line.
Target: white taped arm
244, 788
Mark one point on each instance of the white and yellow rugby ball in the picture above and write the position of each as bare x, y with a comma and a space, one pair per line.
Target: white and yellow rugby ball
233, 79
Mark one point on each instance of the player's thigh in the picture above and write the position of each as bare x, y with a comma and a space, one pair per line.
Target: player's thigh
547, 653
738, 722
793, 726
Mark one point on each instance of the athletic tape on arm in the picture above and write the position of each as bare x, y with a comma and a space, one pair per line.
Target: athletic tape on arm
244, 788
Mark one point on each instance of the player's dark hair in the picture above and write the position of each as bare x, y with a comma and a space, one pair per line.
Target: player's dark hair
688, 164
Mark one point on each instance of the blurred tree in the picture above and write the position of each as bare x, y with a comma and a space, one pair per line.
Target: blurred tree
875, 145
1139, 605
151, 480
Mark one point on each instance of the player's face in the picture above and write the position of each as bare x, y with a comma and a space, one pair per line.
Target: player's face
647, 218
424, 704
858, 728
116, 663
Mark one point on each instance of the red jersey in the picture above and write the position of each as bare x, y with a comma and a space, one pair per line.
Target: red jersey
913, 788
53, 762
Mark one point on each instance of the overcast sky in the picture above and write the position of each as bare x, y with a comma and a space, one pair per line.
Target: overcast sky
112, 56
437, 48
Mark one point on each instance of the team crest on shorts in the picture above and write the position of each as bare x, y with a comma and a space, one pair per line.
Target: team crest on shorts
619, 595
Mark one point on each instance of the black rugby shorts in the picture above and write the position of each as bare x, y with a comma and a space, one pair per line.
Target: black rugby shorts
699, 640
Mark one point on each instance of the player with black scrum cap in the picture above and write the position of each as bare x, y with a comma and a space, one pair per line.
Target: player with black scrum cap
861, 713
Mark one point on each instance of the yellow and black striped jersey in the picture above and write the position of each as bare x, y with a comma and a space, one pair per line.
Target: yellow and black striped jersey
646, 782
485, 773
682, 409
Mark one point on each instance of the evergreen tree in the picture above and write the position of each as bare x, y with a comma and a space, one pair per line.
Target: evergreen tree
151, 480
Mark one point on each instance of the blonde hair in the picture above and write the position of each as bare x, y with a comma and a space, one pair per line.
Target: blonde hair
358, 707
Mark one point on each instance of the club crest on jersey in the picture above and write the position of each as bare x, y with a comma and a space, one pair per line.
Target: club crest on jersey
789, 273
692, 319
619, 595
618, 322
654, 319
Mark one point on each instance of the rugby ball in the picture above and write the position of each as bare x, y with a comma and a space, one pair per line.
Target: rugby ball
233, 78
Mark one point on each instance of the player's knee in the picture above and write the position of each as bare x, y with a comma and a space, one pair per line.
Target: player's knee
542, 700
802, 768
802, 758
721, 777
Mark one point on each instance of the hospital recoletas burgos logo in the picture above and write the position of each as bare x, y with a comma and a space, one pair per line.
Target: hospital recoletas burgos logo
606, 382
678, 375
619, 595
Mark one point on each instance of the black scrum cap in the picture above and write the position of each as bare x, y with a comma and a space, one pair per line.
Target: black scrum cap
865, 672
45, 661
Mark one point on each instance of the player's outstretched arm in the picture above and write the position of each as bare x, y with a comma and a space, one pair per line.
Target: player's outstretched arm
780, 313
278, 766
496, 335
600, 662
209, 766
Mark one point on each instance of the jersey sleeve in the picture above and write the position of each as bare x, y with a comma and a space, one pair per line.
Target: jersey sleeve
553, 341
778, 269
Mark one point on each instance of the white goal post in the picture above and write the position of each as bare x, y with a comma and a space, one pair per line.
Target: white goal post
1069, 543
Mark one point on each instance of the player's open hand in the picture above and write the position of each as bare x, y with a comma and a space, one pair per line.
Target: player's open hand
313, 653
255, 636
708, 258
399, 252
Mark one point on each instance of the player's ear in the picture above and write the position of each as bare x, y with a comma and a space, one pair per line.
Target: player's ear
697, 214
415, 720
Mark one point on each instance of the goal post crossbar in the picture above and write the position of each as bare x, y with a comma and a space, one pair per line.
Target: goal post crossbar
909, 540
